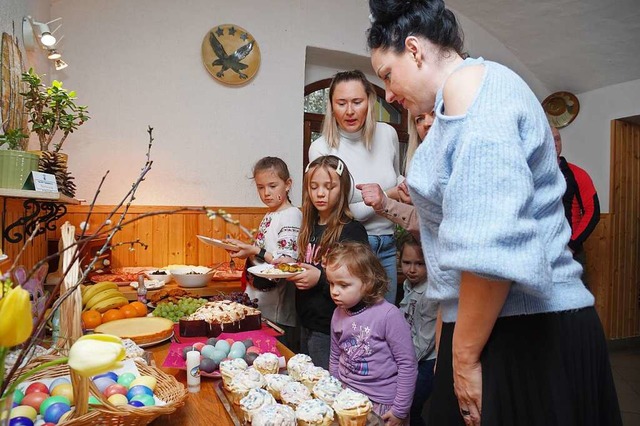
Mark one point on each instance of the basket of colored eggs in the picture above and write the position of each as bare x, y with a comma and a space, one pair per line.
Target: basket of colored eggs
125, 399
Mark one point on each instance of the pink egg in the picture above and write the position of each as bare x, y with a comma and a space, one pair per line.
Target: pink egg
34, 399
198, 346
254, 349
37, 387
230, 341
115, 389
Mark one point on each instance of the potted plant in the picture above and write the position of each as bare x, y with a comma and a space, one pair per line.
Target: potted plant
15, 164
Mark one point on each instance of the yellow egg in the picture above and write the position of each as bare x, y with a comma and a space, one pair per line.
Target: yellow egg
24, 411
118, 399
148, 381
64, 389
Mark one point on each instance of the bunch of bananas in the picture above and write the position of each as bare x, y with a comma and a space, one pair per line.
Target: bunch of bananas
102, 297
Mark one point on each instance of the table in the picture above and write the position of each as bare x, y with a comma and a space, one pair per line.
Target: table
203, 407
212, 288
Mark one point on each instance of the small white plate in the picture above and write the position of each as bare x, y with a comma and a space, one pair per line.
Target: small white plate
218, 243
149, 284
260, 271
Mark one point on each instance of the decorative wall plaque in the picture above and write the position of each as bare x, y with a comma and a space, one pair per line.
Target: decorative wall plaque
230, 54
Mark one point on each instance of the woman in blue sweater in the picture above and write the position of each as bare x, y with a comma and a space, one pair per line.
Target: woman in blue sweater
521, 343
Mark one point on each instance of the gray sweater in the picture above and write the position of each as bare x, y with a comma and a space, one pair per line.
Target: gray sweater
488, 191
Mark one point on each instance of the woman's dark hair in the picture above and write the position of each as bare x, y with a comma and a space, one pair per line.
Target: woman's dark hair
277, 164
392, 21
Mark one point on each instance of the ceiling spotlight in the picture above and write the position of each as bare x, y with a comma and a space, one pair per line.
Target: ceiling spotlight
47, 39
35, 33
54, 54
60, 64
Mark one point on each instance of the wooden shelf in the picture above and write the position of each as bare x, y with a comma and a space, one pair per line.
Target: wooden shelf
37, 195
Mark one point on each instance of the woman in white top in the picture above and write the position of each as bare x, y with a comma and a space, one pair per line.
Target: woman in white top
370, 151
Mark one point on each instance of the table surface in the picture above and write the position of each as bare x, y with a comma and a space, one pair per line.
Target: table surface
203, 407
212, 288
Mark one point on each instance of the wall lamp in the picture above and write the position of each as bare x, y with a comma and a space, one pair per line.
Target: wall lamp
60, 64
37, 33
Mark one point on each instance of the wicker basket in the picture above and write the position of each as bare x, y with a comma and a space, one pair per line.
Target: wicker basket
168, 389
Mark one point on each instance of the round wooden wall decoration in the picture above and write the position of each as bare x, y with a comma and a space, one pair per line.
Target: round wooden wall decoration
230, 54
561, 108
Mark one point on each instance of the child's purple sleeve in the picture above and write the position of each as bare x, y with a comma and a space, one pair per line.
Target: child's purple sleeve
334, 355
398, 335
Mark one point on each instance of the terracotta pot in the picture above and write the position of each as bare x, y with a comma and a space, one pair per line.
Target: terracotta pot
15, 168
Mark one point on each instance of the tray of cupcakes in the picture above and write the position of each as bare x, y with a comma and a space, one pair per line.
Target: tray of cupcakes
305, 394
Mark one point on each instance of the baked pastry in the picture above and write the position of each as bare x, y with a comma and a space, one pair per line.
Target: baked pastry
275, 382
297, 363
314, 412
213, 318
292, 394
352, 408
254, 401
243, 382
141, 330
327, 389
229, 368
274, 415
266, 363
310, 376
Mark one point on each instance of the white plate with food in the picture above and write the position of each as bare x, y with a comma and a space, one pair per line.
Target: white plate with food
149, 284
218, 243
283, 270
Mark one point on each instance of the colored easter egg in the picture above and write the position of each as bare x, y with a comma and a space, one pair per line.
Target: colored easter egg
207, 351
250, 357
115, 389
94, 401
136, 403
230, 341
254, 349
64, 389
198, 346
118, 399
20, 421
238, 346
185, 350
138, 390
24, 411
37, 387
55, 411
208, 365
223, 345
148, 381
212, 341
113, 376
34, 399
147, 400
48, 424
103, 382
125, 379
58, 381
17, 396
218, 356
247, 343
52, 400
236, 354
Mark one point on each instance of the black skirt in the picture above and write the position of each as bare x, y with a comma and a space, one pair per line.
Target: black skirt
540, 370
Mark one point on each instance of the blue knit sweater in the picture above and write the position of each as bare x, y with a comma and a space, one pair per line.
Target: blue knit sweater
489, 194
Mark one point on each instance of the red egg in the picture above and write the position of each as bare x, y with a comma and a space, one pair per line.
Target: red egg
230, 341
34, 399
254, 349
37, 387
48, 424
198, 346
114, 389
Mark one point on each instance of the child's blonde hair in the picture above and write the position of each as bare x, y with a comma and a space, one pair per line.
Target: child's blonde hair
363, 264
340, 215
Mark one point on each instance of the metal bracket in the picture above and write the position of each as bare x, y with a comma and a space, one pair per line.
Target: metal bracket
36, 211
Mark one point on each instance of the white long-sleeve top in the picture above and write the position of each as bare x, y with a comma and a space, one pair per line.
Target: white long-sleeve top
379, 165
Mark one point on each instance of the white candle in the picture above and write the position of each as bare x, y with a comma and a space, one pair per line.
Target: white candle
193, 371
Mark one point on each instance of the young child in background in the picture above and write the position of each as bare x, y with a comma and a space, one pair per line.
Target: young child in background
371, 347
277, 237
421, 314
326, 219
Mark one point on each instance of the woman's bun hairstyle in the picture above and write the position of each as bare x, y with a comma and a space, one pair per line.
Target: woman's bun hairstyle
392, 21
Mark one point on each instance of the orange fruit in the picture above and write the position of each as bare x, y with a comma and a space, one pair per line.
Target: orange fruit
112, 314
91, 319
140, 308
129, 311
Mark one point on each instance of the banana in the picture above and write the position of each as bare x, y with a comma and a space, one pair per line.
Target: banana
111, 303
97, 288
107, 294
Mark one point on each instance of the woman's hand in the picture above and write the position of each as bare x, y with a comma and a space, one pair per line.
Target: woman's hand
403, 193
283, 259
306, 279
245, 251
467, 384
391, 420
373, 195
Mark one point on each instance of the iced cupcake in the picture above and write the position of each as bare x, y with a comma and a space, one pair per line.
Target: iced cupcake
294, 393
229, 368
266, 363
243, 382
297, 363
274, 415
254, 401
352, 408
275, 382
310, 376
314, 412
327, 389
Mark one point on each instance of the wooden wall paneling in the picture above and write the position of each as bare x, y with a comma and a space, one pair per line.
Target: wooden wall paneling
599, 267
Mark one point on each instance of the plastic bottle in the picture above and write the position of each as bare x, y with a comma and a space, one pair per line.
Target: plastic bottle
142, 290
193, 371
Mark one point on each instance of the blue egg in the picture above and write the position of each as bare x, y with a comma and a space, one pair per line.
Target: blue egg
236, 353
207, 351
239, 346
136, 403
218, 356
58, 381
55, 411
21, 421
147, 400
138, 390
223, 345
103, 382
110, 374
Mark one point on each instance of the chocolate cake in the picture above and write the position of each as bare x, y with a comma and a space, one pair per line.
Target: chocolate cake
223, 316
